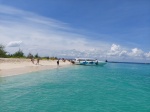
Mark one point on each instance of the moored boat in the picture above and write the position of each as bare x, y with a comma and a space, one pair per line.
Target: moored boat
88, 61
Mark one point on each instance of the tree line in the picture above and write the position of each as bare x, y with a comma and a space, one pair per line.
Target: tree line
20, 54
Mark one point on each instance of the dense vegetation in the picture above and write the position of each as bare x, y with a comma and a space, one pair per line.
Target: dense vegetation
20, 54
2, 51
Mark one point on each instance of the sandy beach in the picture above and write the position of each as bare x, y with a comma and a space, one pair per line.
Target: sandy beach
15, 66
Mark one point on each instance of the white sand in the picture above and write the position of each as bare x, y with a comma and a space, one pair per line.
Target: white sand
10, 66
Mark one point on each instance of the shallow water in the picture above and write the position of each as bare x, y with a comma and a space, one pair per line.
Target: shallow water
112, 88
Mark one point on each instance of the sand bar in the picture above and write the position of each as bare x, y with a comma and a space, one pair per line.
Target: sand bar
15, 66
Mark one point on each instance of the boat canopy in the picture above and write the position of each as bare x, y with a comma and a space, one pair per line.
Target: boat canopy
85, 59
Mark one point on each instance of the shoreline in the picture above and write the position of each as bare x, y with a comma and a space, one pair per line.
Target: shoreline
12, 67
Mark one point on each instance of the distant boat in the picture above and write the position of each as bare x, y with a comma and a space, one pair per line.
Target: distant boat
88, 61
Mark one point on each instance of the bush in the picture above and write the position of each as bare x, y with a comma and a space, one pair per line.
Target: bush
18, 54
36, 56
2, 51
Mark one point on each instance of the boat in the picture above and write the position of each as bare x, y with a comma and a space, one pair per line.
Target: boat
88, 61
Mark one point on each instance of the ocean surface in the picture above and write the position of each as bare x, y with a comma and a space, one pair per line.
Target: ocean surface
115, 87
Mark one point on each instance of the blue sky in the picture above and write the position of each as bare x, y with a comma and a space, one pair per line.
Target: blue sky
114, 29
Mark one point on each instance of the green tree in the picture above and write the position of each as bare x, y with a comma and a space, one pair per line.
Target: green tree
2, 51
36, 56
18, 54
53, 58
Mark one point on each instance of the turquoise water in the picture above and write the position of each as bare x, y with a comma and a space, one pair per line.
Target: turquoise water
111, 88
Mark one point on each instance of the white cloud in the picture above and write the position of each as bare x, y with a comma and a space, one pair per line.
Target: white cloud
123, 53
115, 48
147, 55
14, 44
136, 52
120, 53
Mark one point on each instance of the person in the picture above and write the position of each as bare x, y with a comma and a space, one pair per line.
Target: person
32, 60
63, 60
38, 60
57, 62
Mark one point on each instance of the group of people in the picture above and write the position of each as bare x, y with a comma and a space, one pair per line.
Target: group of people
38, 60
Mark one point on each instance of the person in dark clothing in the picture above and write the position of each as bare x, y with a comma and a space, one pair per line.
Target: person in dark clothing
57, 62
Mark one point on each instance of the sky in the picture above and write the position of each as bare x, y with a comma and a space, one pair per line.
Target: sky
116, 30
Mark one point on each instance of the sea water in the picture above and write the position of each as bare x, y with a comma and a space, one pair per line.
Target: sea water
112, 88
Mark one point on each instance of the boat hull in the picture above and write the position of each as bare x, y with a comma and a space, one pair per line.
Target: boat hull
101, 63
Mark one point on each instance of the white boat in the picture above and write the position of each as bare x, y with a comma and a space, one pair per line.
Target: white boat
88, 61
